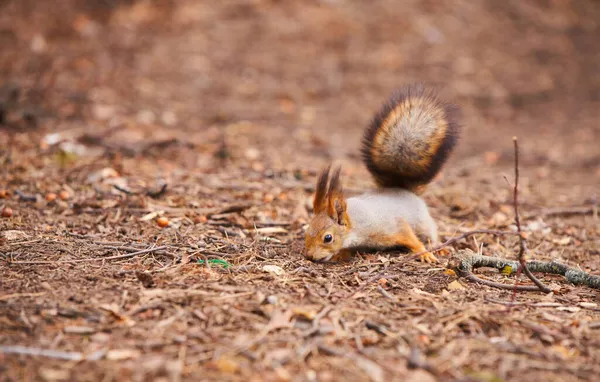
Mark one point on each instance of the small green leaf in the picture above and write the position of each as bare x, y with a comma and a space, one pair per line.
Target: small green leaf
221, 262
485, 376
65, 158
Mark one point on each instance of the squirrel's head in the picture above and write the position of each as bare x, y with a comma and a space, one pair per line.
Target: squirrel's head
330, 225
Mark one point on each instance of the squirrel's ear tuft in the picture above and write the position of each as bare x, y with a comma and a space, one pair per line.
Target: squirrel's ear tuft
334, 184
336, 206
329, 196
320, 201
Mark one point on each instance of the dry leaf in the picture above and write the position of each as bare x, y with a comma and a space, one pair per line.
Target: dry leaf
422, 292
455, 285
227, 365
274, 269
419, 376
564, 352
450, 272
562, 241
572, 309
498, 219
373, 370
270, 230
48, 374
370, 338
13, 235
150, 216
305, 313
122, 354
79, 330
115, 311
100, 175
359, 294
279, 320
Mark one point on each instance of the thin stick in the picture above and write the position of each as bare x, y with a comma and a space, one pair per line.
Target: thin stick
214, 253
156, 193
134, 249
463, 236
565, 211
524, 288
317, 320
116, 257
148, 192
386, 294
24, 197
56, 354
19, 295
435, 249
522, 242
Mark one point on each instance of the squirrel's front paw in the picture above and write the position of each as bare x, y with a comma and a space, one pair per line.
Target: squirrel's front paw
428, 257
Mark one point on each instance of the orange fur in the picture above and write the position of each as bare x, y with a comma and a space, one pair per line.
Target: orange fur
406, 237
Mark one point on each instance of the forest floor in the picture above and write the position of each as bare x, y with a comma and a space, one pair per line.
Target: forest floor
141, 138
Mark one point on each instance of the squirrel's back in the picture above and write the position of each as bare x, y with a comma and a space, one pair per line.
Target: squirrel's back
410, 139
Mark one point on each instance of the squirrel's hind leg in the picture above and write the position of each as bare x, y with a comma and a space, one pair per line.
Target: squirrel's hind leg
407, 238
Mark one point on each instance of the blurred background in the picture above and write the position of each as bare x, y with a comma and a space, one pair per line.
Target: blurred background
291, 85
201, 126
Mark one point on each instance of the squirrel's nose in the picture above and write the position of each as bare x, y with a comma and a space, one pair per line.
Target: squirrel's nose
311, 255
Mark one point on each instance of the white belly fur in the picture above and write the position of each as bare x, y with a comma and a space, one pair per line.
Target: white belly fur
383, 211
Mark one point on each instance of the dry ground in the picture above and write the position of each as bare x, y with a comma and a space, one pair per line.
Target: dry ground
235, 106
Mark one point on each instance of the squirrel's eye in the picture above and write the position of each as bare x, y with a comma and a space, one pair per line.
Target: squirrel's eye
327, 238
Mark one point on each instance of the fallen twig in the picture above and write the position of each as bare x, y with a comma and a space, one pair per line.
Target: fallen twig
523, 288
417, 361
371, 368
19, 295
522, 242
466, 260
148, 192
378, 328
566, 211
116, 257
386, 294
134, 249
56, 354
317, 320
157, 193
214, 253
25, 197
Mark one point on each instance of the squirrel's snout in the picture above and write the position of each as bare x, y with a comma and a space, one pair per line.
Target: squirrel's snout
314, 257
310, 255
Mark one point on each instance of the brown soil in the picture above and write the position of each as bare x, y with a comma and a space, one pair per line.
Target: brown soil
235, 106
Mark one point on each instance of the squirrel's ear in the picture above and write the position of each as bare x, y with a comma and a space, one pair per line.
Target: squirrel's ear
336, 206
341, 217
320, 201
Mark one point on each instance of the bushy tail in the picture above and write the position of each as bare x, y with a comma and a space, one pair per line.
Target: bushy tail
410, 139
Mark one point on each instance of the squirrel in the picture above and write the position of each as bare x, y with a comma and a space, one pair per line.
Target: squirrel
404, 148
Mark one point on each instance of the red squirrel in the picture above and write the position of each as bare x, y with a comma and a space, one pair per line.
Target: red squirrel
404, 148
